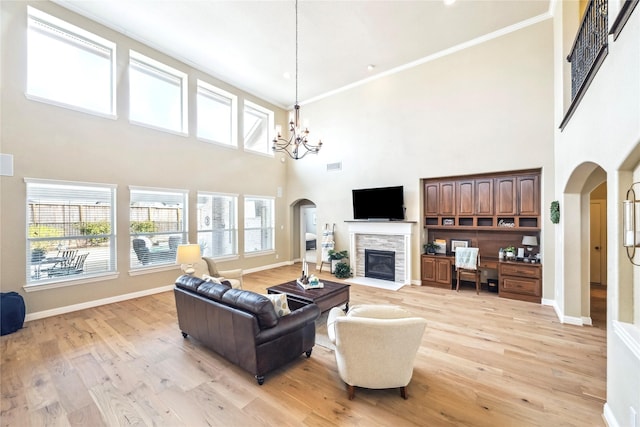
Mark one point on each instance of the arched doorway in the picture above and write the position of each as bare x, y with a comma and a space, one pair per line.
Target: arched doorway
583, 213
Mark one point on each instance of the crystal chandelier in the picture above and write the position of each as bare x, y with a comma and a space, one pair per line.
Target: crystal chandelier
297, 146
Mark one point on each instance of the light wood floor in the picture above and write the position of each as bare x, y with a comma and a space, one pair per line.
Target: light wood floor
484, 361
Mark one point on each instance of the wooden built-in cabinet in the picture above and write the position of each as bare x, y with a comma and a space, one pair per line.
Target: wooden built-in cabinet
490, 211
436, 271
505, 201
519, 280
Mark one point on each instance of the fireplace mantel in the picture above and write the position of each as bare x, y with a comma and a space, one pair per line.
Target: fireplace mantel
381, 235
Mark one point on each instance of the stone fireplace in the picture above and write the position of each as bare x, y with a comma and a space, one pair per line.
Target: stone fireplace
382, 236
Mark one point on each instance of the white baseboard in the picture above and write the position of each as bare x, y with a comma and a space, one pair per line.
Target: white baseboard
96, 303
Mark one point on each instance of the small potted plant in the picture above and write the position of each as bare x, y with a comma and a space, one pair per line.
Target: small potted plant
430, 247
342, 270
510, 252
335, 257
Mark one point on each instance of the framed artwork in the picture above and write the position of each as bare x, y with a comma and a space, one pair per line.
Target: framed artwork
458, 244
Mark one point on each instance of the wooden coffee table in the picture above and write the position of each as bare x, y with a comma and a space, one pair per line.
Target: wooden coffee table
332, 295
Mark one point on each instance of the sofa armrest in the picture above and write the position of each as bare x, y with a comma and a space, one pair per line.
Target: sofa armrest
286, 324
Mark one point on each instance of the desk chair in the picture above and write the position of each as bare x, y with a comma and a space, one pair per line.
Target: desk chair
467, 260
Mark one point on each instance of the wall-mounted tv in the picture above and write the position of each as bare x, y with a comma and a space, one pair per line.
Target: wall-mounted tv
383, 203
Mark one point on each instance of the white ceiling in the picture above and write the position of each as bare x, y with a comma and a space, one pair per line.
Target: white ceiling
251, 44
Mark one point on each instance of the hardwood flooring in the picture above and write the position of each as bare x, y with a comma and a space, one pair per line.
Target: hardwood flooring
484, 361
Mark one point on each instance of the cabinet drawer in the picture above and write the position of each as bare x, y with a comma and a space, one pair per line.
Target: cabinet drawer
521, 270
520, 285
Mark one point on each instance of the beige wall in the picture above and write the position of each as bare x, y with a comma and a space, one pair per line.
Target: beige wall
56, 143
488, 108
603, 136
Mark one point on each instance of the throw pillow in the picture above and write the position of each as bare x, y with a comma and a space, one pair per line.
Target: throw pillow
280, 304
211, 279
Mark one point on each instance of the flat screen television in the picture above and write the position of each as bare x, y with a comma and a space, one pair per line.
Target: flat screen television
383, 203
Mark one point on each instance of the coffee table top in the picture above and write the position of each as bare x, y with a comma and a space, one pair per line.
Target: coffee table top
331, 295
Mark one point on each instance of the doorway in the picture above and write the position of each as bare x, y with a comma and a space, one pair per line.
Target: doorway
598, 255
308, 233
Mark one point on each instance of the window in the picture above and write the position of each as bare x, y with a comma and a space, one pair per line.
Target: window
70, 230
217, 115
157, 94
158, 224
259, 224
217, 224
68, 66
257, 122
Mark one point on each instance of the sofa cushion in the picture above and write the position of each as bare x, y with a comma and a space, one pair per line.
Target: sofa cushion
254, 303
188, 282
213, 290
280, 303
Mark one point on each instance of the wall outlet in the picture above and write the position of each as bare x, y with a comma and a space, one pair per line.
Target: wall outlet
277, 256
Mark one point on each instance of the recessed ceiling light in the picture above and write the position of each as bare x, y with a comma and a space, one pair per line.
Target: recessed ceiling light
287, 75
370, 67
448, 2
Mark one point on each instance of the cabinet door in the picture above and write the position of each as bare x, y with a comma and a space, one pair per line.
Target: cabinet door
443, 271
528, 195
447, 199
431, 192
428, 269
505, 194
484, 196
465, 199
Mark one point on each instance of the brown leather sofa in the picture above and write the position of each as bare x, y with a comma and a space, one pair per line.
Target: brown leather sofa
242, 326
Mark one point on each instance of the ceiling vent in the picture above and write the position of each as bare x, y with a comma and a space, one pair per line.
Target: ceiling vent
334, 166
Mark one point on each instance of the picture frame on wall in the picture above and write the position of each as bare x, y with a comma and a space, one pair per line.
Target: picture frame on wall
459, 244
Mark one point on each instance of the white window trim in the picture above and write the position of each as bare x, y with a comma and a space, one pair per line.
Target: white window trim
262, 251
89, 278
270, 129
134, 271
145, 61
234, 113
38, 15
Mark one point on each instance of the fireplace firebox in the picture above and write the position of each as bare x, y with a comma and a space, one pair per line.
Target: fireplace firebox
380, 264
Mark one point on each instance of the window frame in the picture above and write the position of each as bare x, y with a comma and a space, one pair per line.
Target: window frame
233, 230
165, 254
35, 281
268, 151
262, 250
68, 32
204, 89
162, 72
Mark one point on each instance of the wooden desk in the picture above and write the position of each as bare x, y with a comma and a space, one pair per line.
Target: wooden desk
520, 280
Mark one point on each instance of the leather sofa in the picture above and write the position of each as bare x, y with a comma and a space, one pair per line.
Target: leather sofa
242, 326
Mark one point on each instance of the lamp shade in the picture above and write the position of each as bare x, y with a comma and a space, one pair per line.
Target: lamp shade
529, 240
188, 254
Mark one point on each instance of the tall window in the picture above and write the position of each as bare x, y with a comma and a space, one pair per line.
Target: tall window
257, 122
157, 94
259, 224
70, 230
217, 224
158, 224
217, 115
69, 66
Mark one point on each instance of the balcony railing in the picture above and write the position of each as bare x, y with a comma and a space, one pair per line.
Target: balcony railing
588, 51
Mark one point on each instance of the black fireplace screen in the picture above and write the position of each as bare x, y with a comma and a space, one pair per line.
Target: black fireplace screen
380, 264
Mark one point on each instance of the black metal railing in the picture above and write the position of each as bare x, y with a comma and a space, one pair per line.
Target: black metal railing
589, 45
588, 52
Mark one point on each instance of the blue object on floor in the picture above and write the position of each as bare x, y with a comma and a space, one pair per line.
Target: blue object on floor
12, 312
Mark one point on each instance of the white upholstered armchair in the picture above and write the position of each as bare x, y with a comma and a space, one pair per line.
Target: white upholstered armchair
207, 266
376, 345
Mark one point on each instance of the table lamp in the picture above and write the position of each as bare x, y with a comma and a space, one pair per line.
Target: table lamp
529, 242
187, 255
